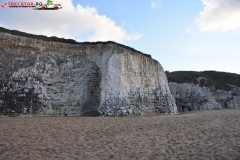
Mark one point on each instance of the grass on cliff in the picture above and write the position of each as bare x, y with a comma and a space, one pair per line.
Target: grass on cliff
220, 80
63, 40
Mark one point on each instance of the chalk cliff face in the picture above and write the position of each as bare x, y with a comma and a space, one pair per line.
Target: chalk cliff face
197, 97
39, 77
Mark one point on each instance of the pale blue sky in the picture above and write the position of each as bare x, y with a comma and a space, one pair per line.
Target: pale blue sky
172, 31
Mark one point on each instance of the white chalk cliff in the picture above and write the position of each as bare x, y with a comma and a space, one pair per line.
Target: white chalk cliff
200, 97
51, 78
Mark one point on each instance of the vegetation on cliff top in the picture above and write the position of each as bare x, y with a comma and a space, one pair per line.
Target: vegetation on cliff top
63, 40
220, 80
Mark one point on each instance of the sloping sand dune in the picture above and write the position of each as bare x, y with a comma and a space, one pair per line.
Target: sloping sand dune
208, 134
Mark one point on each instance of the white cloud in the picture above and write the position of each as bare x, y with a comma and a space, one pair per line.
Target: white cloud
188, 31
134, 36
219, 14
68, 22
153, 4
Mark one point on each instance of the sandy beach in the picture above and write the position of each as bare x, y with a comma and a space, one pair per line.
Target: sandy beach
211, 134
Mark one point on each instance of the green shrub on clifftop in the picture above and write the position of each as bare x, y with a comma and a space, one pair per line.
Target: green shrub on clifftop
220, 80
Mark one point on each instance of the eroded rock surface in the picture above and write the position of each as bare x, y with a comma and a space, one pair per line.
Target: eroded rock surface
39, 77
197, 97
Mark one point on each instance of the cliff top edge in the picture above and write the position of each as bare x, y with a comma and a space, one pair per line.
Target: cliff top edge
67, 41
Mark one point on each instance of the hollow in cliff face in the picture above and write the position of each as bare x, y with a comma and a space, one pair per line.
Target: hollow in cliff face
54, 85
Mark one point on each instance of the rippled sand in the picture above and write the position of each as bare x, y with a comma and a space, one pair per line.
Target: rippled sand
208, 134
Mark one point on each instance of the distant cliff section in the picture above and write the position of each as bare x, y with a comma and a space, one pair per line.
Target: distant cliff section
205, 90
54, 76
